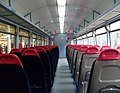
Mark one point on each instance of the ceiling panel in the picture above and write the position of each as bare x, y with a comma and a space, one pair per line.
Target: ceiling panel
46, 12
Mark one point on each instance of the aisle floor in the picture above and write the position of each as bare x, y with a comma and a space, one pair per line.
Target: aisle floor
63, 82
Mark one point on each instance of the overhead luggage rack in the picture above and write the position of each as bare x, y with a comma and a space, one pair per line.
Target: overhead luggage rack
13, 16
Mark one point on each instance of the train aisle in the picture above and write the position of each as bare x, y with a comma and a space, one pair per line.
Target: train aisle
63, 82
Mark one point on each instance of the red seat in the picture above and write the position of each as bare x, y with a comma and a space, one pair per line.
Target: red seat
47, 67
105, 73
105, 47
13, 78
35, 70
17, 52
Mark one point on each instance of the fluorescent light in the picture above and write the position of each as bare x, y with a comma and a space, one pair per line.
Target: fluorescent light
61, 20
61, 2
61, 13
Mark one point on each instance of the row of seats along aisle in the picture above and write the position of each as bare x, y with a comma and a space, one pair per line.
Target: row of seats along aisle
28, 70
95, 69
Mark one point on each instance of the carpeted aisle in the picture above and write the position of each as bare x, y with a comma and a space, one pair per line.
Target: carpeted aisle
63, 82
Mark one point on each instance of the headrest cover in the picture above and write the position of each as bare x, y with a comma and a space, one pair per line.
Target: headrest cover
97, 46
118, 47
105, 47
23, 49
1, 52
30, 52
32, 47
78, 48
109, 54
10, 59
41, 50
92, 50
15, 50
46, 48
84, 48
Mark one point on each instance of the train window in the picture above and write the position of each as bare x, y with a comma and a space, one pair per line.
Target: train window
115, 39
43, 41
46, 41
39, 41
73, 42
84, 36
24, 41
89, 34
7, 42
91, 40
7, 28
101, 39
115, 26
85, 41
100, 31
80, 41
23, 33
79, 37
34, 37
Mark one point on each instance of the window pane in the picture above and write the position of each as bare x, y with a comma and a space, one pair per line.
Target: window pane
89, 34
79, 41
84, 36
101, 30
101, 39
24, 33
85, 41
7, 28
115, 39
7, 42
115, 26
91, 41
79, 37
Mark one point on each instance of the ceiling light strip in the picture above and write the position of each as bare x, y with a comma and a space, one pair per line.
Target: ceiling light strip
61, 13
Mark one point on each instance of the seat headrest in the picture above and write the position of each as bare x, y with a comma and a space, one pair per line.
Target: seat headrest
105, 47
10, 59
32, 47
1, 52
41, 50
30, 52
84, 48
77, 48
118, 47
109, 54
46, 48
15, 50
97, 46
92, 50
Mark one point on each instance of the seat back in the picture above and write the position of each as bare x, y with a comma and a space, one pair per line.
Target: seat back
90, 55
118, 48
78, 61
105, 47
105, 73
35, 70
51, 62
13, 78
74, 59
71, 57
46, 63
1, 52
16, 51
